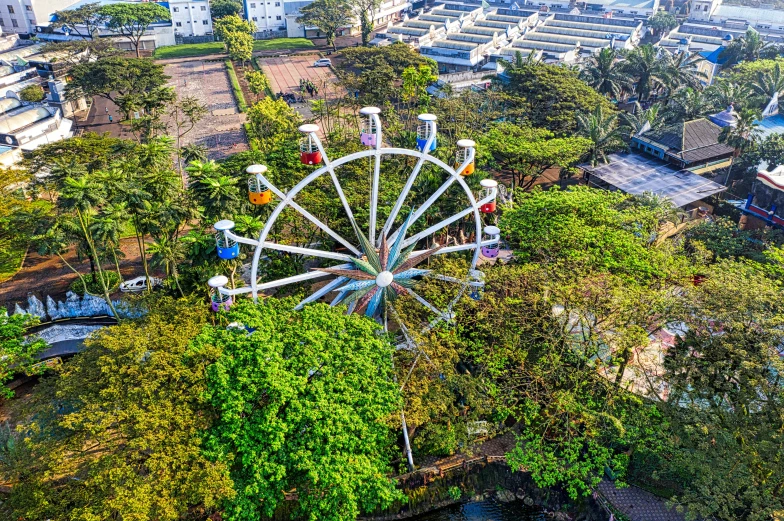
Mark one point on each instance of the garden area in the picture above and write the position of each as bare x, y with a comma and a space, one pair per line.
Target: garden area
189, 50
421, 297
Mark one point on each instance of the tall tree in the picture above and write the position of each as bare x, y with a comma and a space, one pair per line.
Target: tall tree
222, 8
740, 137
749, 47
662, 22
237, 35
119, 433
273, 121
84, 20
603, 132
329, 16
131, 20
115, 78
682, 70
688, 104
768, 83
365, 11
605, 73
640, 120
316, 409
647, 68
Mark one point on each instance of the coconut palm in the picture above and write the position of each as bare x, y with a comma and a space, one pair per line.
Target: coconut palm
602, 129
605, 73
683, 71
642, 120
647, 69
748, 47
168, 253
54, 241
768, 83
741, 136
688, 104
725, 93
107, 229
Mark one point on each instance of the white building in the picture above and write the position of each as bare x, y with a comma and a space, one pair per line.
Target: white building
191, 17
266, 15
21, 16
623, 8
388, 11
736, 19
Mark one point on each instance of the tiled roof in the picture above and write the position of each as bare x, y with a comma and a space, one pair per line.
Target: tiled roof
690, 140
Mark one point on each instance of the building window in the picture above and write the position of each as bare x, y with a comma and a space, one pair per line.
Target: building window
13, 22
178, 24
11, 9
204, 8
277, 18
253, 5
277, 4
205, 22
269, 16
29, 7
176, 9
255, 18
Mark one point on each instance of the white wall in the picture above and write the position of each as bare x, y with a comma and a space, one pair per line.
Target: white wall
267, 15
191, 17
28, 13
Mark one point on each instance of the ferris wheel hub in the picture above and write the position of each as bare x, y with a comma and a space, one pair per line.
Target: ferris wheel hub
384, 279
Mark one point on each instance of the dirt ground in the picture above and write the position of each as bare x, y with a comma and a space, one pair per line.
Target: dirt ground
42, 276
221, 129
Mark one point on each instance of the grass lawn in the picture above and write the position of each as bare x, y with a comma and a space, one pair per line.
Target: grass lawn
281, 44
188, 49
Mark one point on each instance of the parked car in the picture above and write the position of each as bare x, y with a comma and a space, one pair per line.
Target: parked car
323, 62
139, 284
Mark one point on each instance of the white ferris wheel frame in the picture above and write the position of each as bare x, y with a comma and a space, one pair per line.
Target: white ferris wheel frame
376, 152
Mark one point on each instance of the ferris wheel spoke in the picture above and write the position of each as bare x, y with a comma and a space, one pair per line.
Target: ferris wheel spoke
312, 218
308, 252
427, 204
403, 194
425, 303
323, 291
297, 278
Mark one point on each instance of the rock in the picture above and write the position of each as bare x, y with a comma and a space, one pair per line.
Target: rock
19, 310
51, 308
520, 494
528, 501
505, 496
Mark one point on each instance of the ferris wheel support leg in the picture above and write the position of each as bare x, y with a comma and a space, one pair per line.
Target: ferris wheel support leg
338, 188
409, 455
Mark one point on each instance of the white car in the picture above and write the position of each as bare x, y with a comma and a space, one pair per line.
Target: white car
139, 284
323, 62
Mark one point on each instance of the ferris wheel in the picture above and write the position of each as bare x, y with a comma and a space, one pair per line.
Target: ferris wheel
379, 261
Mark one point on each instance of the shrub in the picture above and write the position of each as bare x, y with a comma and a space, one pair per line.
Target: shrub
94, 286
242, 106
32, 93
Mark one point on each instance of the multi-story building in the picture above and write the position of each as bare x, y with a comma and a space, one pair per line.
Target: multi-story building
268, 16
21, 16
388, 11
191, 17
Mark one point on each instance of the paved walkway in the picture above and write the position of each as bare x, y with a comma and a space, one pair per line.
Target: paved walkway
638, 504
284, 74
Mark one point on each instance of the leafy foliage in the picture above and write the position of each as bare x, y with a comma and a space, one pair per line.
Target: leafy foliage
131, 20
302, 399
328, 15
17, 354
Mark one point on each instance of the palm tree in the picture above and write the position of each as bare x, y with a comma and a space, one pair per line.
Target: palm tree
107, 229
740, 137
603, 132
194, 152
55, 242
748, 47
768, 83
649, 72
643, 120
605, 73
83, 195
688, 104
683, 70
725, 93
168, 253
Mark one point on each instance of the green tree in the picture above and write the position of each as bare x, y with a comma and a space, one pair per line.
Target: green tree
768, 83
84, 21
115, 78
273, 121
662, 22
329, 16
315, 409
17, 353
741, 136
749, 47
119, 433
548, 96
724, 375
237, 35
688, 104
640, 119
605, 73
647, 70
725, 93
365, 11
526, 153
602, 130
131, 20
222, 8
771, 150
257, 82
232, 24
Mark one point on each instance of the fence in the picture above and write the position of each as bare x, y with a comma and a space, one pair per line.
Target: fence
455, 77
269, 34
207, 38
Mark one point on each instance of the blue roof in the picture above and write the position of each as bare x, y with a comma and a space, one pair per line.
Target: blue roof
771, 125
713, 56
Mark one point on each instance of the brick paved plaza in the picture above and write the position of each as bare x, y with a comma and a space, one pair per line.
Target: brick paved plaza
221, 130
285, 72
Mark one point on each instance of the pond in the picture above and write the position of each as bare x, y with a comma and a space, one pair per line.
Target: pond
487, 510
